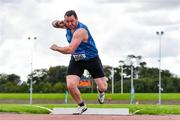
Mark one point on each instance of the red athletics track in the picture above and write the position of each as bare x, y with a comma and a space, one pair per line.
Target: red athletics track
6, 116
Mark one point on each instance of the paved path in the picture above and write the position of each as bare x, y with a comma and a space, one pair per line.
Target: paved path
6, 116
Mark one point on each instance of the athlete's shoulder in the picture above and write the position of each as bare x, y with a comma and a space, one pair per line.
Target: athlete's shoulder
82, 25
80, 31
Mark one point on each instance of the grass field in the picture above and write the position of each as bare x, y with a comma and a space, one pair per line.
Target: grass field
134, 108
92, 96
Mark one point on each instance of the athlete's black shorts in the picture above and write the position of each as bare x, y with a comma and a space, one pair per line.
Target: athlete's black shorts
94, 67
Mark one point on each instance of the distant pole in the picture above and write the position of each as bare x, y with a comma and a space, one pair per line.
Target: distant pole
66, 97
132, 86
92, 85
31, 86
31, 81
160, 35
112, 73
121, 66
122, 79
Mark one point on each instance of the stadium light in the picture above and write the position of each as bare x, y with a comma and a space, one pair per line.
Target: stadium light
130, 61
112, 77
31, 81
159, 33
122, 76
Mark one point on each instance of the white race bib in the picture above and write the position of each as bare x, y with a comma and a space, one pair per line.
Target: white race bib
79, 57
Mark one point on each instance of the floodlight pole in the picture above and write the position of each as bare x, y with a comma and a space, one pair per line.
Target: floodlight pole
31, 88
121, 66
31, 81
112, 74
160, 35
122, 79
132, 86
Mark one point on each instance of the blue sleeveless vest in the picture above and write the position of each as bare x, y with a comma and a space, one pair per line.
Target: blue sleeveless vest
88, 49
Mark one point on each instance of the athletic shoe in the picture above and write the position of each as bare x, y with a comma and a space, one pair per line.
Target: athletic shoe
80, 110
101, 97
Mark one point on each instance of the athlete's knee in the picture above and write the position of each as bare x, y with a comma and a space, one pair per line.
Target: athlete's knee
71, 82
103, 86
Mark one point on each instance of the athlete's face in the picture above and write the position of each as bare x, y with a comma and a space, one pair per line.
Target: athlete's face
71, 22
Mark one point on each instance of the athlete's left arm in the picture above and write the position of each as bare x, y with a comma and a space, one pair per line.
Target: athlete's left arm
78, 36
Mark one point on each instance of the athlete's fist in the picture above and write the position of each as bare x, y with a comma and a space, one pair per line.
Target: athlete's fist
54, 47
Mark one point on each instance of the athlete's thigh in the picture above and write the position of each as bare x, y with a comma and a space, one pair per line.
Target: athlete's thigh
72, 80
75, 68
95, 68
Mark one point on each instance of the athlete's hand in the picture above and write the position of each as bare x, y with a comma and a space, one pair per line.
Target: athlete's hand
54, 47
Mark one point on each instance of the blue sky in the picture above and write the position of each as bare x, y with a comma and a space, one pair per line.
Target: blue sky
119, 27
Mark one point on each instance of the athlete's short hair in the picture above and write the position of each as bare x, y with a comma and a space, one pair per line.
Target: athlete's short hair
70, 13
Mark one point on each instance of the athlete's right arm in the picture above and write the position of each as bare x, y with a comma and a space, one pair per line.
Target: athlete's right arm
59, 24
78, 37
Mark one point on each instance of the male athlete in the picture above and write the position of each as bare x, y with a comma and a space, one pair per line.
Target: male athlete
84, 55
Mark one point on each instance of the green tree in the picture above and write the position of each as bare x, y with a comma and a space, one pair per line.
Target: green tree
56, 74
59, 87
